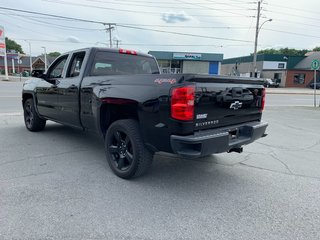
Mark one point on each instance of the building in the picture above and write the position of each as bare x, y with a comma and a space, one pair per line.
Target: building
186, 62
19, 64
289, 71
272, 66
302, 75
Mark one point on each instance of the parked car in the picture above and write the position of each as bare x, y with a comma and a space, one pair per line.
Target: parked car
268, 82
317, 85
120, 95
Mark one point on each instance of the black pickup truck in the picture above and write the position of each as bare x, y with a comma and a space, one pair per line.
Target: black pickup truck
121, 95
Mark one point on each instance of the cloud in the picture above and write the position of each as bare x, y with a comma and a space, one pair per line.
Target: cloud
174, 17
73, 39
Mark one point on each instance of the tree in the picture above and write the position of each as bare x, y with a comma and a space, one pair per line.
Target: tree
11, 45
316, 49
54, 54
285, 51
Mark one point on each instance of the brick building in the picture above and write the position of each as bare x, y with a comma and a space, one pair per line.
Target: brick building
289, 71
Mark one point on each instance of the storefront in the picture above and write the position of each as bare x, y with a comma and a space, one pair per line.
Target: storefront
185, 62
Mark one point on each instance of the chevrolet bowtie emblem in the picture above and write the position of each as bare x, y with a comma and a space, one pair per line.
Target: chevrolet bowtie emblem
236, 105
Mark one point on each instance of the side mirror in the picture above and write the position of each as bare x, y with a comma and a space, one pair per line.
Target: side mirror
43, 76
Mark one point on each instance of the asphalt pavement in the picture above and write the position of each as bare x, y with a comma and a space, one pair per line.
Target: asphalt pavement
56, 184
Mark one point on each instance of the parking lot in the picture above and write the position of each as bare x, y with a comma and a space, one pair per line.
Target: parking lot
56, 184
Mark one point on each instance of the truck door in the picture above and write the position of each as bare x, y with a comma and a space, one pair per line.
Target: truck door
47, 91
69, 88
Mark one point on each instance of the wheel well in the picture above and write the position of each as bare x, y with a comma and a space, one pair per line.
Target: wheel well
110, 113
26, 96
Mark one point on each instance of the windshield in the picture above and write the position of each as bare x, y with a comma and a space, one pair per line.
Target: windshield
109, 63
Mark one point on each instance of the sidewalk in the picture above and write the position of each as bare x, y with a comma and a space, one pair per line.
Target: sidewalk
14, 78
301, 91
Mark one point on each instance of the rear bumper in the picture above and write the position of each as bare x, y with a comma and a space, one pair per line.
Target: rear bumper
218, 140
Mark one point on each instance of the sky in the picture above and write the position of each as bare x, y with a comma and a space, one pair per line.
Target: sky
210, 26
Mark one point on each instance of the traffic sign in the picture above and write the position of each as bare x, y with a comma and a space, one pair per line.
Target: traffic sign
315, 64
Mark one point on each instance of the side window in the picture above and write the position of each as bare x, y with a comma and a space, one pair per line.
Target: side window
76, 64
112, 63
57, 68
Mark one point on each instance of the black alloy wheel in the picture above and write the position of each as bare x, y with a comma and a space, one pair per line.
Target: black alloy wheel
121, 150
28, 115
126, 152
31, 118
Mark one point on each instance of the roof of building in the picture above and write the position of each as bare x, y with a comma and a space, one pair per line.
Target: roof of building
292, 61
306, 62
49, 59
25, 61
163, 55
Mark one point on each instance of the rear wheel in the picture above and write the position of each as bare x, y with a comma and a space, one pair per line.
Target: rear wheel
125, 151
31, 118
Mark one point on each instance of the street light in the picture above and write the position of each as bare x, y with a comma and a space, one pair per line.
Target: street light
45, 58
30, 56
256, 44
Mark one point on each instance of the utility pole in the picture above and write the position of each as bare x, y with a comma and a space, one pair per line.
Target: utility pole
256, 41
109, 29
3, 50
117, 42
30, 56
45, 58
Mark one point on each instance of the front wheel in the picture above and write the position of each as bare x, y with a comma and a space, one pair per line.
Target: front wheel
126, 153
31, 118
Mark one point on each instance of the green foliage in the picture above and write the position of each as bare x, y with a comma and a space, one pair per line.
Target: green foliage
12, 45
316, 49
285, 51
54, 54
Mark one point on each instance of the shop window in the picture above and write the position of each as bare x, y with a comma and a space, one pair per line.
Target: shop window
299, 78
164, 63
175, 64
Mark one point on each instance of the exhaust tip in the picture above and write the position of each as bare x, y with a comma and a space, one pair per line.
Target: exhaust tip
237, 150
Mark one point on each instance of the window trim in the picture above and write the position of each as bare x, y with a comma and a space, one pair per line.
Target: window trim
55, 63
74, 55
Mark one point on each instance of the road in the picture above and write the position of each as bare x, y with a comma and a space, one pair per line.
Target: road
56, 185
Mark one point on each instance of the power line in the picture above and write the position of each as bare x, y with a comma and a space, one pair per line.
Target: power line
293, 15
296, 23
125, 26
52, 15
293, 8
184, 34
185, 26
44, 23
292, 33
153, 6
163, 2
133, 11
194, 4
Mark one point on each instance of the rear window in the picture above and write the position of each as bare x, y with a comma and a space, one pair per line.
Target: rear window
108, 63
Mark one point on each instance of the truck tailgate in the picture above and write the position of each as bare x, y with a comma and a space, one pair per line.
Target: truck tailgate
223, 101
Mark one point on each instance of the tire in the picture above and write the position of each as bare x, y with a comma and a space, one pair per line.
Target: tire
126, 153
31, 118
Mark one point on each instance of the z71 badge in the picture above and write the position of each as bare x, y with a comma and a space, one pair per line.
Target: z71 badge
165, 80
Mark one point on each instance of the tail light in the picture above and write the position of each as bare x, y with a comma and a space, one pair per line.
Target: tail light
182, 103
263, 99
125, 51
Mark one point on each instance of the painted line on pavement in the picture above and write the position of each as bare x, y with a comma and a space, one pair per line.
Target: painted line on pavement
11, 114
10, 96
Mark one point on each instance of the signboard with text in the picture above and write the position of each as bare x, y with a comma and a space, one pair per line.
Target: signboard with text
315, 64
187, 56
2, 42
